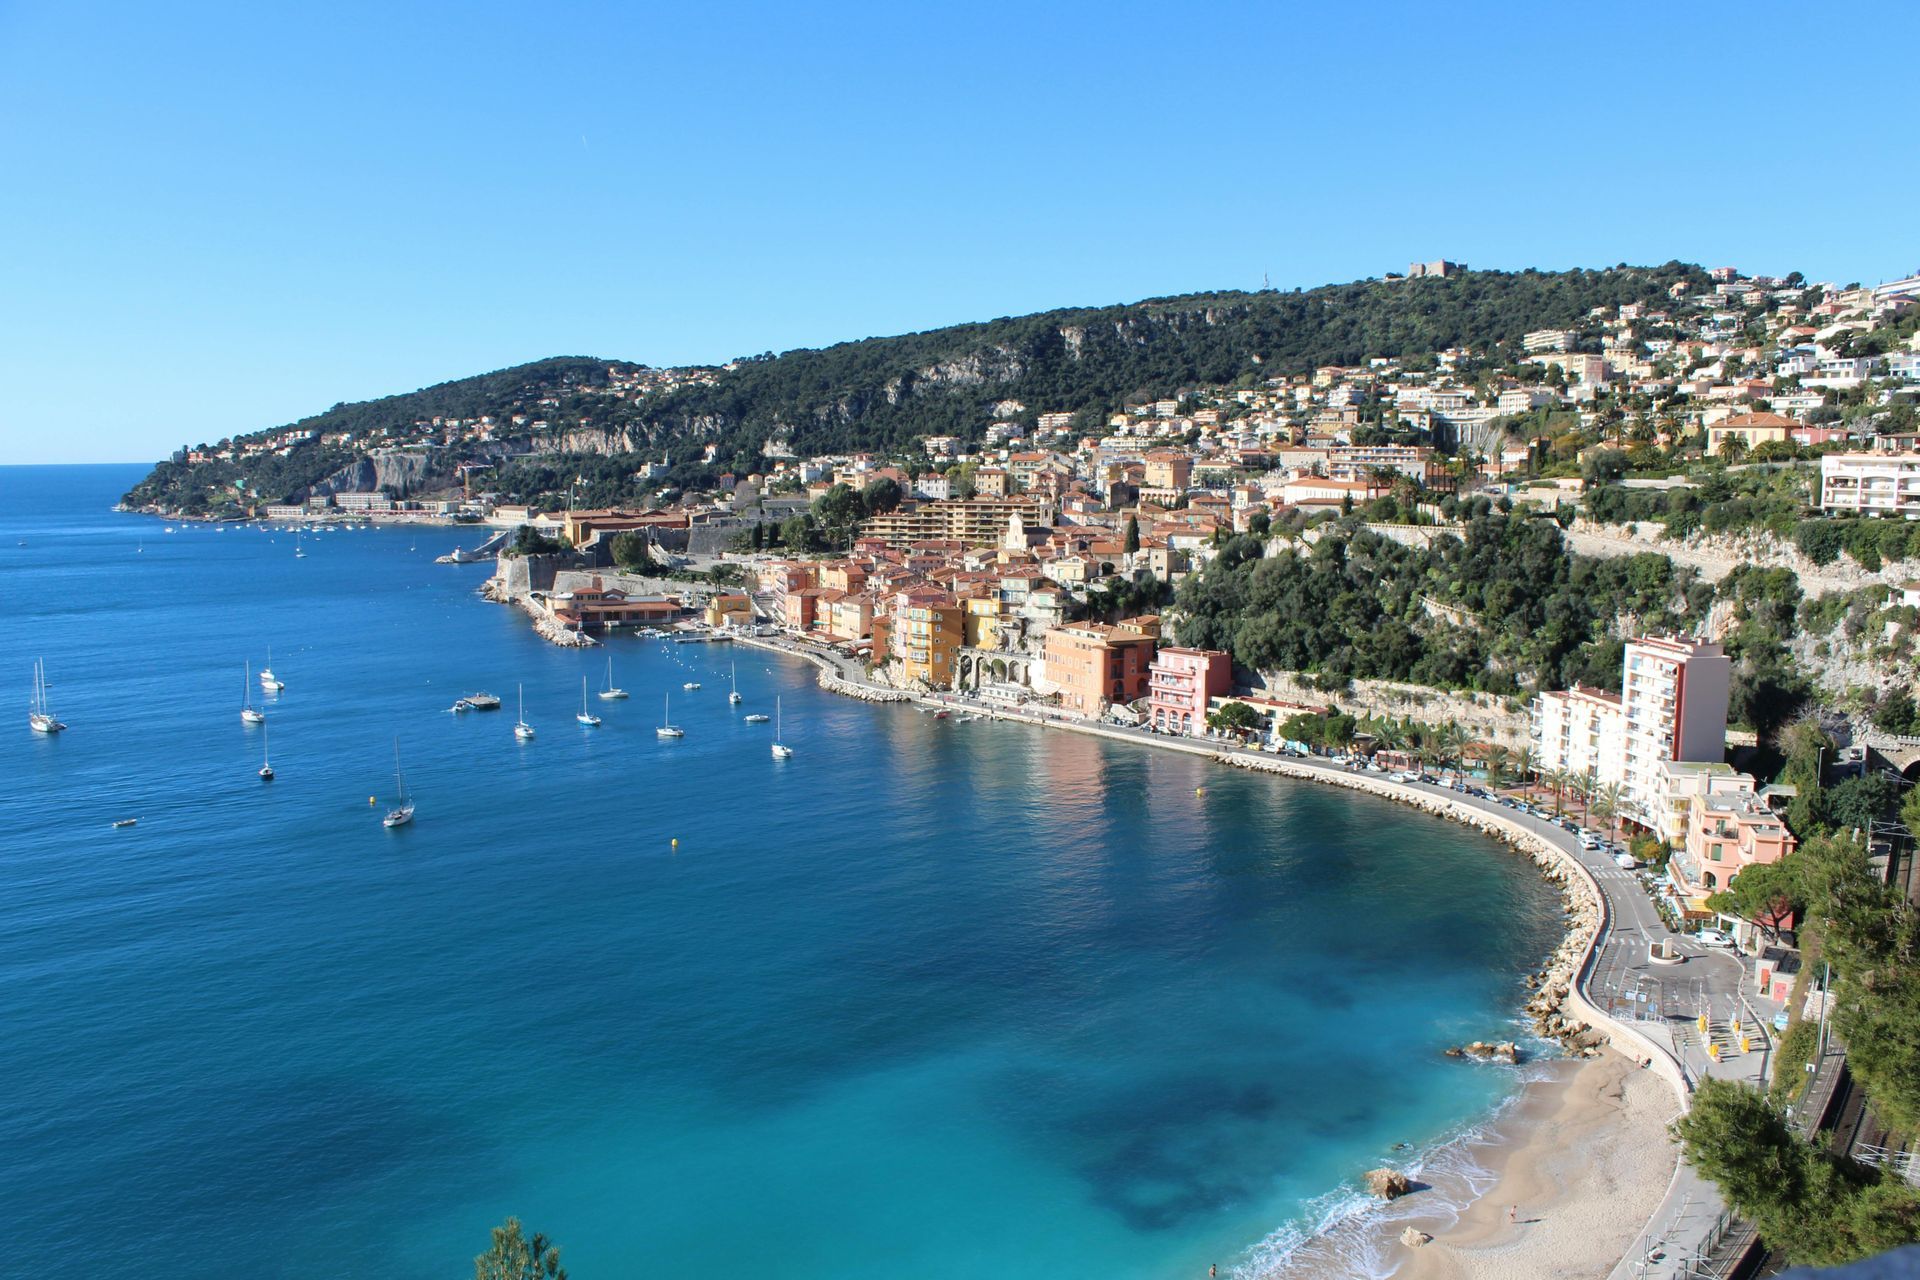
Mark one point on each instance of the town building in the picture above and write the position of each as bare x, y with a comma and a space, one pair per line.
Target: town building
1093, 666
1181, 683
1878, 484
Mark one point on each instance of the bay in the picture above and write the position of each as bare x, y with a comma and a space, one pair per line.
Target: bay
929, 999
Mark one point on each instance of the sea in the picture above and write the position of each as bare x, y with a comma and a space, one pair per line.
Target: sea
930, 999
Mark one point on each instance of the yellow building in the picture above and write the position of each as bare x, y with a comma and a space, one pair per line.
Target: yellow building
729, 610
982, 622
926, 635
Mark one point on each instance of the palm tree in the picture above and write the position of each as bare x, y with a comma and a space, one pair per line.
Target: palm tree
1497, 761
1583, 786
1526, 763
1607, 805
1452, 741
1558, 779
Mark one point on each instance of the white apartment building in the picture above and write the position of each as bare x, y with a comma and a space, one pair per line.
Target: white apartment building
1673, 706
1582, 732
1547, 340
1880, 484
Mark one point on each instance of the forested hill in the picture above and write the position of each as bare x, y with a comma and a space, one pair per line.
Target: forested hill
882, 393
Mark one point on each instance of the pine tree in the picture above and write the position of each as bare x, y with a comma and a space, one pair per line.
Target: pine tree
1133, 535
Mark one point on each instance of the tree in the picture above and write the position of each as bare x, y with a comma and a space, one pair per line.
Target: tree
514, 1257
1606, 805
1234, 717
881, 496
1766, 894
1132, 542
759, 535
630, 550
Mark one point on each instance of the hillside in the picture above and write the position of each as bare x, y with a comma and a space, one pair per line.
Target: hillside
882, 393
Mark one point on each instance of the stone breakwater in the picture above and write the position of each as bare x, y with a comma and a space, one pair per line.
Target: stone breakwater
544, 624
1556, 980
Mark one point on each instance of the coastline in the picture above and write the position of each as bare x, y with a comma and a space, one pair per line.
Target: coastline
1583, 1144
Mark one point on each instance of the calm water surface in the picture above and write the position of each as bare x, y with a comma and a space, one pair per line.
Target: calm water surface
929, 1000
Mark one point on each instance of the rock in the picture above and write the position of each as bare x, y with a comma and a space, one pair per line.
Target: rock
1506, 1051
1388, 1184
1456, 1052
1413, 1238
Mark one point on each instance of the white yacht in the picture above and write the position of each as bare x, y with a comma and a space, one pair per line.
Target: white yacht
402, 813
39, 716
613, 692
733, 696
249, 714
521, 729
266, 761
781, 751
586, 717
268, 681
667, 727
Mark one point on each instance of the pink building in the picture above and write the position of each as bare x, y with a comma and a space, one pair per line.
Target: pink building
1725, 835
1180, 683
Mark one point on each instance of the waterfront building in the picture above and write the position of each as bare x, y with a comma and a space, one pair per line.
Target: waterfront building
1673, 706
1879, 484
1181, 683
1093, 665
729, 609
925, 634
1683, 782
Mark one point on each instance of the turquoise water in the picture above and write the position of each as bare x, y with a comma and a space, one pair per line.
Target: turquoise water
930, 1000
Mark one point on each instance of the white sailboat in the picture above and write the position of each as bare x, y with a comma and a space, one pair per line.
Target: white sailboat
734, 697
586, 717
521, 729
401, 814
249, 714
667, 728
39, 716
266, 760
268, 681
781, 751
299, 552
612, 692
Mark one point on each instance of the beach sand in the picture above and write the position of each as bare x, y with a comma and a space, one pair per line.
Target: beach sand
1584, 1157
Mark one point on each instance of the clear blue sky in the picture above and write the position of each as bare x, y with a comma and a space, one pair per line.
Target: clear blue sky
220, 218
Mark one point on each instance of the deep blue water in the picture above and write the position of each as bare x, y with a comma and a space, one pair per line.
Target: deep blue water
930, 1000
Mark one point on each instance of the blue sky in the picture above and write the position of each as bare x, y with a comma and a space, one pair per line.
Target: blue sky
221, 218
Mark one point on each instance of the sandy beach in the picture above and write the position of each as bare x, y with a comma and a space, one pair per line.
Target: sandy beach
1581, 1159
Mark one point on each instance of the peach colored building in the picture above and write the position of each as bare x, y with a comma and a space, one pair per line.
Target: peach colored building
1093, 666
1726, 834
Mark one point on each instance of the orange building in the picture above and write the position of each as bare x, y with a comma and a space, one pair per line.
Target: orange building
926, 634
1093, 666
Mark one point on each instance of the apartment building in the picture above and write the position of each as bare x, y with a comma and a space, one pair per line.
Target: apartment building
1725, 834
925, 634
1672, 706
1878, 484
1546, 340
974, 522
1093, 666
1180, 685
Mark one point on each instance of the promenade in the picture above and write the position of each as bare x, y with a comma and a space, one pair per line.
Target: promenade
1650, 1008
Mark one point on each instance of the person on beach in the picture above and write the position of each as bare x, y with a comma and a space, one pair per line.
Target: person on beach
1513, 1214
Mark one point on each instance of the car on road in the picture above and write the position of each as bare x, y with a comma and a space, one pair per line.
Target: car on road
1712, 938
1626, 862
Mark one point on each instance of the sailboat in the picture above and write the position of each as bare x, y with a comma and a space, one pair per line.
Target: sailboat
266, 760
299, 552
734, 697
268, 681
401, 814
38, 715
781, 751
667, 727
586, 717
249, 714
521, 729
612, 692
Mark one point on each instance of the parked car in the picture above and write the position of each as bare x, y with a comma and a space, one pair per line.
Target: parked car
1626, 862
1712, 938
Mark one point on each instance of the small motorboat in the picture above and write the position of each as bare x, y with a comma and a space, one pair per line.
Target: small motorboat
757, 718
125, 822
691, 685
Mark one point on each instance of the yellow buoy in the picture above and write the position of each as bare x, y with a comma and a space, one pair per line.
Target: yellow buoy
1199, 791
676, 842
370, 800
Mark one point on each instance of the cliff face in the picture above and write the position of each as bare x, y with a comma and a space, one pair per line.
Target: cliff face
398, 474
